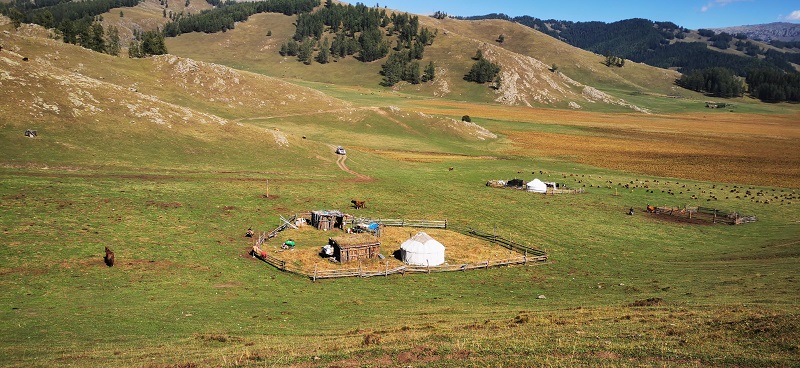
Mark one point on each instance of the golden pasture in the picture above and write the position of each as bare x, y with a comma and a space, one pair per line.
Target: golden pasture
305, 257
716, 145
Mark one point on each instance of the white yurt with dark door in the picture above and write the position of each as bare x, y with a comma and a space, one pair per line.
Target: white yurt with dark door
422, 250
536, 186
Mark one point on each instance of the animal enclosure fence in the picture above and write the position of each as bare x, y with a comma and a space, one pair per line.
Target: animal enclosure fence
362, 272
525, 253
706, 214
431, 224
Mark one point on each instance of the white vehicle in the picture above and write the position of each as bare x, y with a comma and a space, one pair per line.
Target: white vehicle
340, 150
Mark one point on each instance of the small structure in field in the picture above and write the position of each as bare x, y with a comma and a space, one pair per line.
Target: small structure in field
329, 219
422, 250
515, 183
353, 247
536, 186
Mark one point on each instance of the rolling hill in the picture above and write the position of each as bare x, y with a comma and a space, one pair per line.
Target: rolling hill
528, 56
168, 160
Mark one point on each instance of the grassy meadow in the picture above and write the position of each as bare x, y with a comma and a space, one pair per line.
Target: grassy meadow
169, 168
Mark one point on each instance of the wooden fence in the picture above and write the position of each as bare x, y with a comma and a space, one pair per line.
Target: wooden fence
553, 191
528, 254
274, 261
714, 215
361, 272
434, 224
503, 242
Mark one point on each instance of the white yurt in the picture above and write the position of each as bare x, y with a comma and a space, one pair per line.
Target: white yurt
422, 250
536, 186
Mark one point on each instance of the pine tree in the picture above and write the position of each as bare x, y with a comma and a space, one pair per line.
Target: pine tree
324, 52
430, 72
411, 73
112, 42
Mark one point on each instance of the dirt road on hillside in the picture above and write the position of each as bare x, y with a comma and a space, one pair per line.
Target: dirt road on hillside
340, 162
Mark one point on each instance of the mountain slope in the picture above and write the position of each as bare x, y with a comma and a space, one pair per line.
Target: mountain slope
526, 58
96, 109
661, 44
780, 31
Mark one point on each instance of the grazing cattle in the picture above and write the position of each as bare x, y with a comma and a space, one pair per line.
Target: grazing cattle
450, 169
358, 204
249, 233
651, 209
109, 257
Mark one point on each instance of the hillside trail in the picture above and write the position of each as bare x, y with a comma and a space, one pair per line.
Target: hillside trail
340, 162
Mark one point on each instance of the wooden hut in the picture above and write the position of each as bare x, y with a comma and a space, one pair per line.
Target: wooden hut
328, 219
353, 247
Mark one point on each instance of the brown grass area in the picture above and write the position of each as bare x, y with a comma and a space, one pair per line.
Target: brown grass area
733, 156
426, 157
309, 241
716, 146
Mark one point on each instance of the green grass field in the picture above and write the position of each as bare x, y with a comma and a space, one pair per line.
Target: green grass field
173, 200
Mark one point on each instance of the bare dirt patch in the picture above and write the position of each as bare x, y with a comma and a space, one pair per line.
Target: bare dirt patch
665, 217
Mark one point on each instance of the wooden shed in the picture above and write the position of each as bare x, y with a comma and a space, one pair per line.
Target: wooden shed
352, 247
329, 219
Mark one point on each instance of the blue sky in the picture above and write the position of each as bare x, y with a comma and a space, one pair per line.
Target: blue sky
692, 14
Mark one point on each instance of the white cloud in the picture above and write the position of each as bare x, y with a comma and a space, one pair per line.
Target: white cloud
718, 3
795, 15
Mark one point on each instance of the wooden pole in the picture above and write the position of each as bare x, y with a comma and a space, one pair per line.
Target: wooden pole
315, 272
267, 188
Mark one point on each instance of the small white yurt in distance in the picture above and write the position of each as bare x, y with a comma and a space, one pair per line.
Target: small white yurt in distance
422, 250
536, 186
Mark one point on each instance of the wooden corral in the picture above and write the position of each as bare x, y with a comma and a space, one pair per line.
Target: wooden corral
353, 247
702, 214
329, 219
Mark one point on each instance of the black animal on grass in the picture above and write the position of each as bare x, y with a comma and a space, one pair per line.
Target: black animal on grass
109, 257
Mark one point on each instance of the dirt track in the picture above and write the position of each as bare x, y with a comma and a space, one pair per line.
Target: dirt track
340, 162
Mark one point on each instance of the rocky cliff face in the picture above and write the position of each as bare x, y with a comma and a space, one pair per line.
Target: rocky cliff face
766, 32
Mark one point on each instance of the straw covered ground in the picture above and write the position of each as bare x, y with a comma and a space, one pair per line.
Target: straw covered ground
459, 248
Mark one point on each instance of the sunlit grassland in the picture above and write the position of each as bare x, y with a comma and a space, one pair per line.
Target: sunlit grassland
174, 200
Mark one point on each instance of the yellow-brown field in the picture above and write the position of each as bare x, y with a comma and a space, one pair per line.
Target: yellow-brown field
305, 257
715, 146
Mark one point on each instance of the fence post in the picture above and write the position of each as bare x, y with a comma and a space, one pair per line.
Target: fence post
315, 272
386, 274
526, 257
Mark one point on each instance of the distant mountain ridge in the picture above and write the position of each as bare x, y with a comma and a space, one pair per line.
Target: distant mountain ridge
665, 44
780, 31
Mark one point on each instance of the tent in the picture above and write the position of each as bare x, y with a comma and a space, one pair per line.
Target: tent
422, 250
536, 186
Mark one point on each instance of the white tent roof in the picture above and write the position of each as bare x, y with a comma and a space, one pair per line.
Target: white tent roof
422, 250
536, 186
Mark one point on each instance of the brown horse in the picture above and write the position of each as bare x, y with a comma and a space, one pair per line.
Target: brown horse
651, 209
109, 257
358, 204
